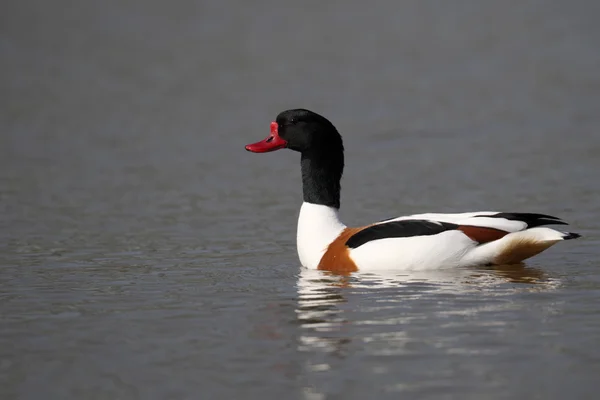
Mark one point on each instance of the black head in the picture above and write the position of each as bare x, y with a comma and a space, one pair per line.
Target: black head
305, 130
322, 150
300, 130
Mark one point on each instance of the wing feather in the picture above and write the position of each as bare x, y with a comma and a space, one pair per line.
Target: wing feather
398, 229
481, 226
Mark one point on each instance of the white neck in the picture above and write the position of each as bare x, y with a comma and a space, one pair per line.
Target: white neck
318, 226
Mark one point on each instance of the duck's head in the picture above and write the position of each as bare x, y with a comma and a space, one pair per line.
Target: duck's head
321, 148
300, 130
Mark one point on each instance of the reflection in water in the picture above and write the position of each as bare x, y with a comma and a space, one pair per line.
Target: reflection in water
320, 285
517, 273
392, 313
319, 297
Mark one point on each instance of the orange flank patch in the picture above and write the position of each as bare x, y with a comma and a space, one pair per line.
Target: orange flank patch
520, 249
337, 257
481, 234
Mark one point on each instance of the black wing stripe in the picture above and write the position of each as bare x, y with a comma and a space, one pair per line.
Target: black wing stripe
396, 229
532, 220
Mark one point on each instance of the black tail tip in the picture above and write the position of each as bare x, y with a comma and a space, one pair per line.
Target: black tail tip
571, 235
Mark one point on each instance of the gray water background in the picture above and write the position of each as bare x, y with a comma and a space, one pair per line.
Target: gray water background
144, 254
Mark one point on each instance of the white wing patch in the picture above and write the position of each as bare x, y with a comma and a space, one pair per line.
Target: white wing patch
469, 218
451, 218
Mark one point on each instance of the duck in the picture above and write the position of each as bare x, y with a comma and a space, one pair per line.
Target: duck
413, 242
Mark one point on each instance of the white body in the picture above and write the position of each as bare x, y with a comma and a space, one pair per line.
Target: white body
319, 225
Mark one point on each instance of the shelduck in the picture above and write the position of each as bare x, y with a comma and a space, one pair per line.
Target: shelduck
414, 242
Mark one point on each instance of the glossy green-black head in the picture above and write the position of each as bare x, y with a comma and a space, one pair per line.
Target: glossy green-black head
321, 148
300, 130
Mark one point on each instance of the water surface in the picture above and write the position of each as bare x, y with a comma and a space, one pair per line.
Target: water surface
144, 254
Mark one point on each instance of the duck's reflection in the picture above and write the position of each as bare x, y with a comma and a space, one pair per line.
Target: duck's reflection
516, 273
320, 296
329, 322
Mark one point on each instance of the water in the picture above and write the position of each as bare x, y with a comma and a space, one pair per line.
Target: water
144, 254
